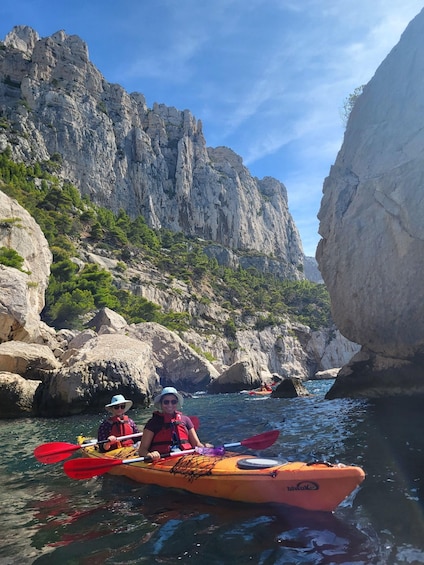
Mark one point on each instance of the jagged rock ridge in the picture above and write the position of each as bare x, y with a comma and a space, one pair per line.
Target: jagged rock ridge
153, 162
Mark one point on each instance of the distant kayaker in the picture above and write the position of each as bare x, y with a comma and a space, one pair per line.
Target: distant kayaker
168, 429
117, 425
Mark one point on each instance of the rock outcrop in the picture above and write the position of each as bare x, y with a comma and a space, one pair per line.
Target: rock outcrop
29, 359
104, 366
56, 107
240, 376
177, 364
22, 291
55, 104
372, 229
70, 382
290, 388
311, 270
16, 395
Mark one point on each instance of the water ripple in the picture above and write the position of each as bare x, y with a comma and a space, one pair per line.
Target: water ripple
48, 518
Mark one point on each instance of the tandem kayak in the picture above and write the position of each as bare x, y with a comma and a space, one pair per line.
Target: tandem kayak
318, 485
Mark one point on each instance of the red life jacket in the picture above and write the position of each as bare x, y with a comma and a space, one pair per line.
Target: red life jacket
120, 427
172, 433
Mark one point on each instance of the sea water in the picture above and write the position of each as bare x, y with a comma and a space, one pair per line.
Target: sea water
48, 518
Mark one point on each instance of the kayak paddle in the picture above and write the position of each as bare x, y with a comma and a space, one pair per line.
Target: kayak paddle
261, 441
88, 467
56, 451
59, 450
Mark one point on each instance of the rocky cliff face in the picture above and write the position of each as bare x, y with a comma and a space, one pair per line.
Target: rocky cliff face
311, 270
371, 223
22, 291
153, 162
55, 373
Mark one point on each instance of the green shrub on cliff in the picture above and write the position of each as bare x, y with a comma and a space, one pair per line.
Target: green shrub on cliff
11, 258
75, 290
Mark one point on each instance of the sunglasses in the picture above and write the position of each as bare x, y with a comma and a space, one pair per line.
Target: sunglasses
117, 407
173, 401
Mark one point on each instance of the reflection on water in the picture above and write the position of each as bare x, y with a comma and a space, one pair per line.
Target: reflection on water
149, 524
48, 518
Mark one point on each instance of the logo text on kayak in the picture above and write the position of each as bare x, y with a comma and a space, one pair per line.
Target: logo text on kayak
304, 485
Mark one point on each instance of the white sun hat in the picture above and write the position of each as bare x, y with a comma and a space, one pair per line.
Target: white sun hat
165, 391
119, 399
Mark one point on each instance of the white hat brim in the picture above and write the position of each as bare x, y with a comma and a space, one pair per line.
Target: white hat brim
158, 398
128, 404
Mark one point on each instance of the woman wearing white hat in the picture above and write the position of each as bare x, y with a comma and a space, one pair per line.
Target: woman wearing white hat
117, 425
168, 429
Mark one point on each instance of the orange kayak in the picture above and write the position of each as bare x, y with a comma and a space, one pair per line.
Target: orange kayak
312, 486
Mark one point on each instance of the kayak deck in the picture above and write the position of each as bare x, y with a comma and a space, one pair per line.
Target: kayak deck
312, 486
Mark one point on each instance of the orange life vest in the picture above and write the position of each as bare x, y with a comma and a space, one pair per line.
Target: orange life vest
172, 435
121, 427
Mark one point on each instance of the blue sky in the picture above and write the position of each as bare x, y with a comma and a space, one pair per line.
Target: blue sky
268, 78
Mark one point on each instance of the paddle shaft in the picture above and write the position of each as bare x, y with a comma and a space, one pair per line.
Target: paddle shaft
120, 438
235, 444
89, 467
58, 451
219, 450
170, 454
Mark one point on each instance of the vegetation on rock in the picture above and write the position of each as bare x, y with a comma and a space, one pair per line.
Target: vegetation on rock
78, 287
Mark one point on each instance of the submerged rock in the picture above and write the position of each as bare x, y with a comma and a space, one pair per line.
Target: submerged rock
290, 388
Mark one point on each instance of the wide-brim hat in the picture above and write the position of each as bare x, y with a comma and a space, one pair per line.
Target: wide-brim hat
119, 399
165, 391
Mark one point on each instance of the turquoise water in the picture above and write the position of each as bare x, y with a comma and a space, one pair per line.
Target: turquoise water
47, 518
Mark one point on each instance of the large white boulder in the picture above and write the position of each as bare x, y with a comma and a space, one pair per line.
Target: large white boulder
371, 215
22, 291
106, 365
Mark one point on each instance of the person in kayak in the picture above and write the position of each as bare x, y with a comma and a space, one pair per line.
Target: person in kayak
116, 425
168, 429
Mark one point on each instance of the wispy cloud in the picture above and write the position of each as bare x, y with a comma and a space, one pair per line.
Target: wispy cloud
267, 77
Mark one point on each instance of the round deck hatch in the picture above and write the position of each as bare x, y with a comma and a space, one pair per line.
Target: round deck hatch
259, 463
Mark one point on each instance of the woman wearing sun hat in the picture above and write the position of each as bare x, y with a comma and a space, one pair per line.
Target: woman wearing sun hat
168, 429
117, 424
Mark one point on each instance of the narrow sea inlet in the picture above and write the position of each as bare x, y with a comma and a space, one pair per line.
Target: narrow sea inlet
47, 518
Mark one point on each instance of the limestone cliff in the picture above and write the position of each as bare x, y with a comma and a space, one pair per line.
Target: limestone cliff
371, 223
22, 291
151, 161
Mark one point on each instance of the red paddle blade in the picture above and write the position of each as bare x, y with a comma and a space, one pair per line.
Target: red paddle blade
261, 441
86, 467
196, 422
54, 451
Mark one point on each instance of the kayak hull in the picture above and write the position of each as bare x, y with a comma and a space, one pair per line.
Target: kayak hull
260, 392
317, 486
